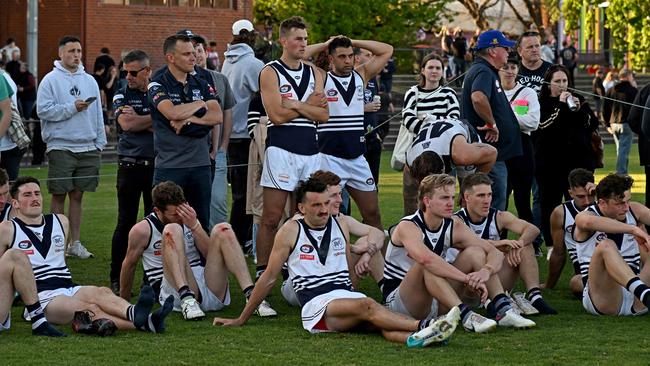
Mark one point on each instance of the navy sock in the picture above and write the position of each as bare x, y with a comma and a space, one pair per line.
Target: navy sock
259, 270
248, 291
533, 294
464, 312
640, 290
140, 311
380, 284
501, 304
36, 315
184, 292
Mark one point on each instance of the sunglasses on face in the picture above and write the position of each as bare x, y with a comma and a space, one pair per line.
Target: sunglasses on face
135, 73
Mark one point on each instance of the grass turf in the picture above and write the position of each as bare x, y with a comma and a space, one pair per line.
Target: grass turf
572, 337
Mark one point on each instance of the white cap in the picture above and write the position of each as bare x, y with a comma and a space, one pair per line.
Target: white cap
241, 25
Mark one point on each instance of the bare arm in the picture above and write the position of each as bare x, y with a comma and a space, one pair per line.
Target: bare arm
374, 237
527, 232
6, 235
464, 238
381, 51
188, 217
483, 156
212, 117
181, 111
279, 254
587, 223
558, 255
132, 122
5, 121
138, 240
226, 130
482, 107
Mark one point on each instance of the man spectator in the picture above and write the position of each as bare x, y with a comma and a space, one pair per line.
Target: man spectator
183, 111
10, 154
26, 90
386, 76
13, 65
105, 59
532, 67
639, 121
8, 50
548, 50
73, 129
459, 50
135, 155
486, 107
213, 61
598, 90
615, 116
242, 70
220, 135
569, 58
109, 76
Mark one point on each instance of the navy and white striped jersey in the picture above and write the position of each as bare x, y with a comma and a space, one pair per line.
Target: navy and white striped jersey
44, 244
487, 229
570, 212
6, 211
298, 135
626, 243
343, 135
318, 263
398, 262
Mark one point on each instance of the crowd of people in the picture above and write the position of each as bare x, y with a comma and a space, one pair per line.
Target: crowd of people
296, 136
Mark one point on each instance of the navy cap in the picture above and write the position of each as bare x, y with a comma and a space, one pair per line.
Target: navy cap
492, 38
186, 32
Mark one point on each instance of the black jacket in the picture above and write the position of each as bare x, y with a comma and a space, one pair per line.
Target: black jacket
614, 112
639, 121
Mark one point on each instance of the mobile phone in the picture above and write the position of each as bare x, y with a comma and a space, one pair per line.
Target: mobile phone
90, 100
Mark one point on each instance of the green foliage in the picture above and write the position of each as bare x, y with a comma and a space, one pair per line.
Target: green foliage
391, 21
571, 12
553, 8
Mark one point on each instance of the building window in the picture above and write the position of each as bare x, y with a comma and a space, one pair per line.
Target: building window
219, 4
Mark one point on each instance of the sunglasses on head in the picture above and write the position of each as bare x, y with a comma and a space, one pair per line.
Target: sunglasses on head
530, 34
135, 73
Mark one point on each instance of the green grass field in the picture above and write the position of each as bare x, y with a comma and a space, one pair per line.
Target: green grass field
572, 337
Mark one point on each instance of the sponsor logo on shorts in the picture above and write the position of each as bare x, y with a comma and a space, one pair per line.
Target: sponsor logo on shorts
306, 248
370, 181
307, 257
284, 178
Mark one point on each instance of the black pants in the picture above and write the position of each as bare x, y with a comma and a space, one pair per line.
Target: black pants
240, 221
38, 146
373, 156
553, 188
10, 161
647, 185
521, 171
133, 180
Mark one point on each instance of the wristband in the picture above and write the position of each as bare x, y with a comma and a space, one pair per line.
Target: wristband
196, 224
489, 125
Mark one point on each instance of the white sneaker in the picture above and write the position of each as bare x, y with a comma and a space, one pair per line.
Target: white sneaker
77, 250
191, 309
477, 323
265, 310
524, 306
548, 254
439, 330
514, 320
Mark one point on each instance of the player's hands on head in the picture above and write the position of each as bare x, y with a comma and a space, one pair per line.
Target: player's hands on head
187, 214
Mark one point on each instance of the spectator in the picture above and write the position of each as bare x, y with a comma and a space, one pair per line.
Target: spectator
386, 76
563, 141
427, 98
73, 129
485, 107
459, 50
26, 90
110, 76
569, 58
10, 154
615, 116
38, 146
639, 121
548, 50
610, 80
532, 68
242, 70
13, 65
521, 169
184, 109
598, 90
213, 62
104, 59
5, 108
7, 51
446, 43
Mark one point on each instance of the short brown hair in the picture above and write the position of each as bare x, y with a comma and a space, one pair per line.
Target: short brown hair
290, 23
167, 193
432, 182
474, 180
427, 163
614, 186
327, 177
4, 177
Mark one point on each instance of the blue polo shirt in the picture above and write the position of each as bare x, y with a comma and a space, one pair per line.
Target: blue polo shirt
484, 77
133, 144
188, 149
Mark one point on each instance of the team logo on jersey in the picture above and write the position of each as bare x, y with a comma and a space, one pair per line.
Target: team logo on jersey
188, 237
157, 248
58, 243
345, 83
600, 237
26, 247
196, 94
297, 77
359, 91
337, 244
285, 88
569, 229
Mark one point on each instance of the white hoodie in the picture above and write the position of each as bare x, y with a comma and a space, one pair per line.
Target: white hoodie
63, 127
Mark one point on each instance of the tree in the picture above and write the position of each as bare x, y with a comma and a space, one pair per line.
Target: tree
391, 21
628, 21
477, 11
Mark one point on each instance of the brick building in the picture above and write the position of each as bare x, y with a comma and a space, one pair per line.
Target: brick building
119, 25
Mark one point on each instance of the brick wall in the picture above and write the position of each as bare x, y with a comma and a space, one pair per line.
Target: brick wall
114, 26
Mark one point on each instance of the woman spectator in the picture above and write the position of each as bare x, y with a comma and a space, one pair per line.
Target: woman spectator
562, 141
429, 97
525, 105
26, 90
610, 80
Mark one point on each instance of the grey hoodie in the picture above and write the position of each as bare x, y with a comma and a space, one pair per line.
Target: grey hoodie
63, 127
243, 72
